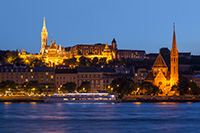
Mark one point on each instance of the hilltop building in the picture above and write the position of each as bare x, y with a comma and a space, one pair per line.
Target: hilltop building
54, 54
160, 76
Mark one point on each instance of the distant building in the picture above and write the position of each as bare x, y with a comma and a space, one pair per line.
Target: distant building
141, 75
131, 54
151, 56
184, 55
44, 76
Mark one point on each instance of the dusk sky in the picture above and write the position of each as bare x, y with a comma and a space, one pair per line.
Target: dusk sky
135, 24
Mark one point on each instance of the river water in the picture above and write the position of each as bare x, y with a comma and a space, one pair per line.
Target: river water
95, 118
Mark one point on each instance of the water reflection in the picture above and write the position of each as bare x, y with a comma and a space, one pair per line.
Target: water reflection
123, 117
167, 104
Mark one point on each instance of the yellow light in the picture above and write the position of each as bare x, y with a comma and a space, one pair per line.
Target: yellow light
137, 103
7, 102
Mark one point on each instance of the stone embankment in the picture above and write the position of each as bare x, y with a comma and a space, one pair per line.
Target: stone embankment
22, 99
147, 98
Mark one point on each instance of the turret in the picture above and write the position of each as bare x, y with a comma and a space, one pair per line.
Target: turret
114, 45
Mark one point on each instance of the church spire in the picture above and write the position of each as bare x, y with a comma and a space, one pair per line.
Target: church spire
174, 46
44, 23
174, 76
44, 35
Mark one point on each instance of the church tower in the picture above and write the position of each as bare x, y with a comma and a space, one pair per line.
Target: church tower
114, 48
44, 35
174, 76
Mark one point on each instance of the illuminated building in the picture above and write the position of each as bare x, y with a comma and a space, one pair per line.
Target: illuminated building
54, 54
44, 75
62, 76
160, 76
131, 54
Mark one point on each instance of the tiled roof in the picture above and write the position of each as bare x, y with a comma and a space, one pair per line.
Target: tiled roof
65, 70
159, 62
43, 69
87, 69
150, 76
107, 69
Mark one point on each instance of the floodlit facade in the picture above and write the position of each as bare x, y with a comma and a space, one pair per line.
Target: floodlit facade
54, 54
160, 76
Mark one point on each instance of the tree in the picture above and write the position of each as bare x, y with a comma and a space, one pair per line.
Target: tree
36, 62
193, 89
95, 60
148, 88
69, 87
102, 61
71, 61
183, 85
7, 86
91, 53
11, 56
82, 60
32, 87
123, 86
79, 52
187, 87
84, 87
19, 61
88, 62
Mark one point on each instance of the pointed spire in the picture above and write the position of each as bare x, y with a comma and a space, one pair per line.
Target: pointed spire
51, 39
174, 39
174, 49
113, 41
44, 23
106, 46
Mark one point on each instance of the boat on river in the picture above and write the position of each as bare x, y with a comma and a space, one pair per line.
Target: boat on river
82, 98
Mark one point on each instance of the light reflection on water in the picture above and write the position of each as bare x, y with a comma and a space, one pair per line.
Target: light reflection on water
123, 117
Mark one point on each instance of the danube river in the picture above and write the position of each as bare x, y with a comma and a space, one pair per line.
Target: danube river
95, 118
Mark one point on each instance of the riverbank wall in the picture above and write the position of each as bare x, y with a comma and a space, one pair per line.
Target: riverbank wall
126, 98
148, 98
22, 99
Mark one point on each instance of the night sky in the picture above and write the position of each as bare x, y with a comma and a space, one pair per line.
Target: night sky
135, 24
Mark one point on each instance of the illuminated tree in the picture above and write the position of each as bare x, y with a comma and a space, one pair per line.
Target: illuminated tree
7, 86
32, 87
95, 60
102, 61
148, 88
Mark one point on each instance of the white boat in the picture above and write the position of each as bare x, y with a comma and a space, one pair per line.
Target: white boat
82, 98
